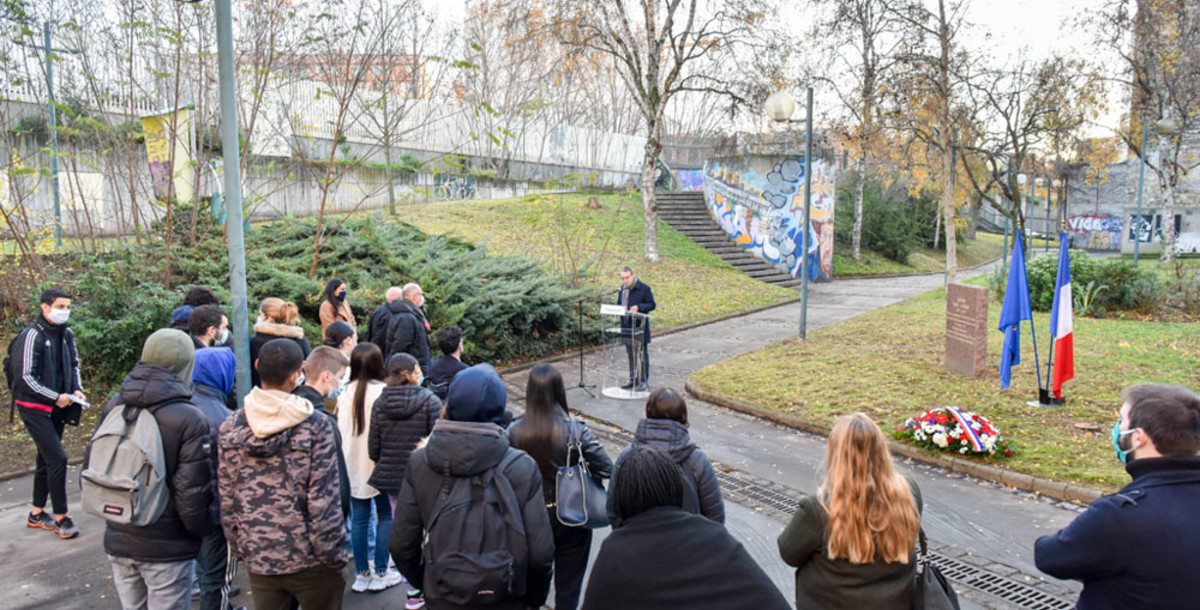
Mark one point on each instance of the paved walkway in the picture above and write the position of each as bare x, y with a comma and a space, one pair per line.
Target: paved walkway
973, 521
977, 525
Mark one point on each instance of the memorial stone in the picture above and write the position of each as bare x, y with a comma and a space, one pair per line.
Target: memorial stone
966, 329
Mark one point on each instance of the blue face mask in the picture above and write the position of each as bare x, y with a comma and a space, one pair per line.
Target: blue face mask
336, 392
1117, 433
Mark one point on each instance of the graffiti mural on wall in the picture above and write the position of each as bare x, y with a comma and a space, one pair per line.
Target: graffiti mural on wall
1095, 231
1150, 230
690, 179
449, 187
759, 202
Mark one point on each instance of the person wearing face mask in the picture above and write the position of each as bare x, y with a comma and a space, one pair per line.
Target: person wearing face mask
335, 308
47, 391
208, 326
323, 372
408, 332
1137, 547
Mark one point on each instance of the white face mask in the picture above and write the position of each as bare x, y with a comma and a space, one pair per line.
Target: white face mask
59, 316
222, 338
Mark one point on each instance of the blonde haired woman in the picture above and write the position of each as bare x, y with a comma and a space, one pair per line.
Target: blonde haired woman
853, 543
277, 319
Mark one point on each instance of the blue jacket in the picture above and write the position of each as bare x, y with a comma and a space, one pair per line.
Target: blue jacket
1138, 547
641, 296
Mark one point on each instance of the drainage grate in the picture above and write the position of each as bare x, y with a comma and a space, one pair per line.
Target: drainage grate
781, 501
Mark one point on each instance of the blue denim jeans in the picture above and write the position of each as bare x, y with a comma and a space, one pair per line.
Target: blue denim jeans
360, 518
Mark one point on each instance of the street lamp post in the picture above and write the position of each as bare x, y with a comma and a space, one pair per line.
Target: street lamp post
233, 196
779, 108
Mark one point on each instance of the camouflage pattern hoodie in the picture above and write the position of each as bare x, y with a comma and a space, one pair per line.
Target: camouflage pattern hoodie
278, 482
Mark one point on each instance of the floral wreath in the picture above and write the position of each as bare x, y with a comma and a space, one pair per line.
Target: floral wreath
951, 429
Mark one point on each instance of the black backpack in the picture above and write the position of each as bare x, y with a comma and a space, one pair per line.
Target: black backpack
475, 551
10, 375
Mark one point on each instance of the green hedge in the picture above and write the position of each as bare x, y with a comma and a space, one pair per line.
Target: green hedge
1115, 284
508, 307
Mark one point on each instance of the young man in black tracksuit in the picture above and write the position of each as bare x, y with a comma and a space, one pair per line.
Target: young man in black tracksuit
45, 386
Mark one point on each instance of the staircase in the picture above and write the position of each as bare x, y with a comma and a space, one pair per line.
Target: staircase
687, 213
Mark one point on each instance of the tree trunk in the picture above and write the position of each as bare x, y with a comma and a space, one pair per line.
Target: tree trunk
387, 157
1168, 206
973, 219
653, 148
947, 153
858, 204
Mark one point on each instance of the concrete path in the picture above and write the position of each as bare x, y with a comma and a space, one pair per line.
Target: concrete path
980, 526
976, 522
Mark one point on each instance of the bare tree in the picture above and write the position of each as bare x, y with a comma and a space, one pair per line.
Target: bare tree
658, 49
864, 39
932, 57
1158, 42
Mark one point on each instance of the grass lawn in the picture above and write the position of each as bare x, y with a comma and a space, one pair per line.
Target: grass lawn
690, 284
888, 364
986, 247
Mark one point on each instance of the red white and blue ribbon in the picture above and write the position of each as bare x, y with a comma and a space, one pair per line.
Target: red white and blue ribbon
972, 436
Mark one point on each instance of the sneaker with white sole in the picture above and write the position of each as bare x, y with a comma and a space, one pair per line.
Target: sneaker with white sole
414, 603
386, 580
411, 591
361, 582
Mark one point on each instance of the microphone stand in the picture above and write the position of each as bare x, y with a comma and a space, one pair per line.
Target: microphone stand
582, 384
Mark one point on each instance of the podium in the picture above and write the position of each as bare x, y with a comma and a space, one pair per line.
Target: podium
625, 357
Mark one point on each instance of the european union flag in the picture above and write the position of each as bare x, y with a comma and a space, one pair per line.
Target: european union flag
1016, 308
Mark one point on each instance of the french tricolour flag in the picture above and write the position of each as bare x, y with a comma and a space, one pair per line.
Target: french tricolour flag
1061, 325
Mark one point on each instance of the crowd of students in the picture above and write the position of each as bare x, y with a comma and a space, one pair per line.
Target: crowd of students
344, 451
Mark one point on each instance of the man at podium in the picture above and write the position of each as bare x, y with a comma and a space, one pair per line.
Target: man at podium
636, 297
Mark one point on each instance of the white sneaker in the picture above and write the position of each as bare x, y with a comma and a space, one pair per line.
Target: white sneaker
379, 582
361, 582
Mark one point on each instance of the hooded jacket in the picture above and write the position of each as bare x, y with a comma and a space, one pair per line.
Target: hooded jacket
269, 331
598, 462
1137, 547
187, 449
46, 364
278, 483
460, 449
400, 418
703, 495
406, 333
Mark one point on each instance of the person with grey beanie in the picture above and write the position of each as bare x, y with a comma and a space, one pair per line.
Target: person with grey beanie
152, 564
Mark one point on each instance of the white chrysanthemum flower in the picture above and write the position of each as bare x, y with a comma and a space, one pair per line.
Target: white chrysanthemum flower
940, 440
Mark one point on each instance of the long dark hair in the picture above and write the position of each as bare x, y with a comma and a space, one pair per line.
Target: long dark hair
331, 291
366, 365
545, 400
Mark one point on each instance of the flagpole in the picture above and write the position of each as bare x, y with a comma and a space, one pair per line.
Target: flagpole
1037, 362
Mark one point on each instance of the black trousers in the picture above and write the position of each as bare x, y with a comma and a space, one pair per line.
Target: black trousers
50, 479
572, 545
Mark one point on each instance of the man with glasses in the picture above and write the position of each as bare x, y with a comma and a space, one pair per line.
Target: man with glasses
408, 331
636, 297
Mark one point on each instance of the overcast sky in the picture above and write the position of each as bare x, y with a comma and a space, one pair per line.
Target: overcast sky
1043, 27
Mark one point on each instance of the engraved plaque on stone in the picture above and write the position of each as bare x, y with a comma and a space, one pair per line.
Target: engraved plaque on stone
966, 329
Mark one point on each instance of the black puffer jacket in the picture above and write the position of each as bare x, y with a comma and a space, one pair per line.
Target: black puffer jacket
187, 447
703, 495
400, 418
597, 460
406, 333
